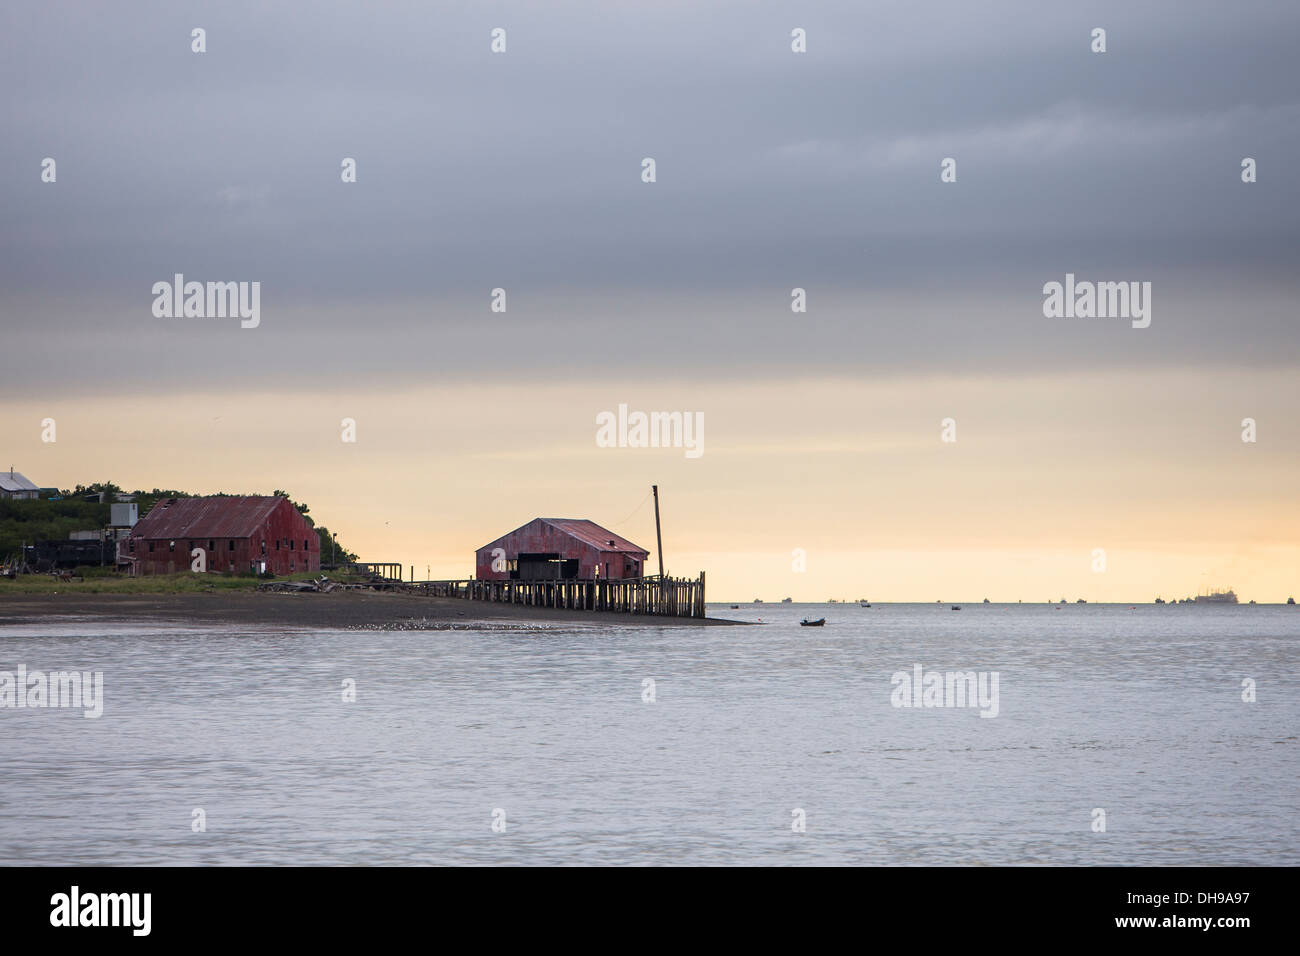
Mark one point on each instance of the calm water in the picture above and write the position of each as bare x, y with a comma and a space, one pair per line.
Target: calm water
1137, 711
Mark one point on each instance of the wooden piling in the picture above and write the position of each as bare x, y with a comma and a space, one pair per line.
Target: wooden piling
652, 596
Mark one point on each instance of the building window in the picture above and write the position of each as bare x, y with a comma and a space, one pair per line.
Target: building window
264, 547
232, 548
304, 545
277, 544
131, 546
151, 546
212, 545
291, 544
171, 545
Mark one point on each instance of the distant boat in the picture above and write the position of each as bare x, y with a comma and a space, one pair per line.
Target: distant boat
1217, 597
986, 600
1081, 601
863, 602
817, 623
758, 600
956, 607
1160, 600
786, 601
1290, 600
735, 607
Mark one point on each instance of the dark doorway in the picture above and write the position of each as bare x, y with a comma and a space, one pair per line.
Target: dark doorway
545, 567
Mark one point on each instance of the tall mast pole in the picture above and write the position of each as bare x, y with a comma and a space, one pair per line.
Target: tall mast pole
659, 538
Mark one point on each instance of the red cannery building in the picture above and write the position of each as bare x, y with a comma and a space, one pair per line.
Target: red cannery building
559, 548
261, 534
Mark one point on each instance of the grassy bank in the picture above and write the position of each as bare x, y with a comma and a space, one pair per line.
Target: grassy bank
113, 583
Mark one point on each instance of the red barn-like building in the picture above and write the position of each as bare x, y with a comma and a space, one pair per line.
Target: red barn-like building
551, 548
253, 533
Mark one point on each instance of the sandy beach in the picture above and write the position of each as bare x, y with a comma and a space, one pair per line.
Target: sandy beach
346, 609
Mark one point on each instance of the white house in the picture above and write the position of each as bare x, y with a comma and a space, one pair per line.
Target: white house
15, 485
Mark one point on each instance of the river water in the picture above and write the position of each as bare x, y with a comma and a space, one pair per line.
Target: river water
549, 732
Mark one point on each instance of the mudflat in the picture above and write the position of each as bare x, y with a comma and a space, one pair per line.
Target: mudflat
347, 609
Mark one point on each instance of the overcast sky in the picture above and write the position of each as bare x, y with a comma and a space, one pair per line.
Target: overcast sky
522, 171
775, 170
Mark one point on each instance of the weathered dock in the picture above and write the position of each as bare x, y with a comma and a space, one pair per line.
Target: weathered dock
666, 597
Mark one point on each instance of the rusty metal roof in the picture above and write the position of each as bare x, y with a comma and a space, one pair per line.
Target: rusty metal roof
214, 517
593, 534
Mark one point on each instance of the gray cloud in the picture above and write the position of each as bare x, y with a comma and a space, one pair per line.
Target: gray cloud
522, 171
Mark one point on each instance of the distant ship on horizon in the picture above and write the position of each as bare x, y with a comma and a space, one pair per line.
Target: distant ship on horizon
1217, 597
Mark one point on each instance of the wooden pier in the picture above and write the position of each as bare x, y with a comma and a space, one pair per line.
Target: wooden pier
665, 597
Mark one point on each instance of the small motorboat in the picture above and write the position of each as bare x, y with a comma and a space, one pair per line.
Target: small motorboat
735, 607
817, 623
863, 602
956, 607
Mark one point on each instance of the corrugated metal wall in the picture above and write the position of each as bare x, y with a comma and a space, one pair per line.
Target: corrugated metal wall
539, 537
283, 540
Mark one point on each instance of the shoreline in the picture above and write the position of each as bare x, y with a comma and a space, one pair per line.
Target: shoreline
348, 609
